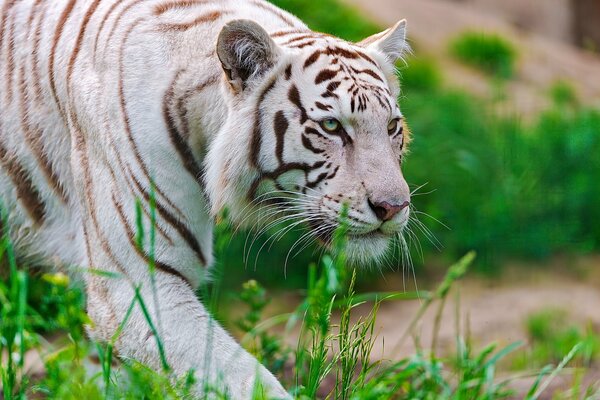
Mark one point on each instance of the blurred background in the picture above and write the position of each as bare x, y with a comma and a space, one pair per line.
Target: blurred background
503, 99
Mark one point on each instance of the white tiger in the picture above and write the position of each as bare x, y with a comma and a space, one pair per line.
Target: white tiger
200, 105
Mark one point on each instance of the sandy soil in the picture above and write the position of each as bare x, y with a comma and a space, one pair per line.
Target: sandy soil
496, 309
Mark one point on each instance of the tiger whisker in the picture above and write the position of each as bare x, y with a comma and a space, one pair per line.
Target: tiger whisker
310, 238
418, 188
272, 239
433, 218
427, 233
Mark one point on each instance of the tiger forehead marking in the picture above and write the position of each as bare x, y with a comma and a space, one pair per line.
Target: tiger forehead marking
121, 115
341, 68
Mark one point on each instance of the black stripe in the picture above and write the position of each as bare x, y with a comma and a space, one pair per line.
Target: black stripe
308, 144
183, 230
131, 238
26, 192
326, 75
280, 126
294, 97
256, 141
181, 146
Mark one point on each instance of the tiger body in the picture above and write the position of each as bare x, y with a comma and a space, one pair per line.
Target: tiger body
107, 101
63, 98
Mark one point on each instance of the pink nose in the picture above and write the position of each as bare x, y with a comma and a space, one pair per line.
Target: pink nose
386, 211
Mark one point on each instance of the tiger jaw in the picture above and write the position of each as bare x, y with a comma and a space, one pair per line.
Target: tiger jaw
367, 247
362, 245
372, 246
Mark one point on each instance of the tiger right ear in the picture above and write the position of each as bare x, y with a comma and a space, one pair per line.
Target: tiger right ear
391, 42
246, 52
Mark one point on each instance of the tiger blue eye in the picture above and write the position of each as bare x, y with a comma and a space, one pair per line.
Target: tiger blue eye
330, 124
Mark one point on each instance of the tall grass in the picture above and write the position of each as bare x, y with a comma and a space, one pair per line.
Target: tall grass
332, 358
13, 298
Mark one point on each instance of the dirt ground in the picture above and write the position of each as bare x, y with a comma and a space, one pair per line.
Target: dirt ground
496, 309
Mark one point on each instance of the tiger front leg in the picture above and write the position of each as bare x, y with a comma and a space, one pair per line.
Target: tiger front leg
191, 339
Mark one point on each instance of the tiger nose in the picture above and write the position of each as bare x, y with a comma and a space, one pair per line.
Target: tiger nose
386, 211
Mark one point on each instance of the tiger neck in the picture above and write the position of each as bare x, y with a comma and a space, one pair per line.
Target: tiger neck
197, 110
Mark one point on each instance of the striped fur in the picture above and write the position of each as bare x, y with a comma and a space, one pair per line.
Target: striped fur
189, 107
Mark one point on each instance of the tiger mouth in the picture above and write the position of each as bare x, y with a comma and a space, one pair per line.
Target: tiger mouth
325, 236
375, 233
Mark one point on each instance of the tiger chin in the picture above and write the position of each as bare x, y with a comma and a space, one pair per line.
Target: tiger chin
317, 128
159, 114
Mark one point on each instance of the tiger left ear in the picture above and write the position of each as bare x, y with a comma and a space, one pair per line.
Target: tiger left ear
246, 52
391, 42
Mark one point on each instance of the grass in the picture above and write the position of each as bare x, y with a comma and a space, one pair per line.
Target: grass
332, 358
421, 74
505, 188
488, 52
563, 94
551, 335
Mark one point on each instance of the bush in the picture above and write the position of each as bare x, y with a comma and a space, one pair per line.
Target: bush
551, 337
486, 51
563, 93
330, 16
420, 73
505, 188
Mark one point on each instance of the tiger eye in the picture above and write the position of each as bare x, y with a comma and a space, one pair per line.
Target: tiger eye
392, 126
330, 125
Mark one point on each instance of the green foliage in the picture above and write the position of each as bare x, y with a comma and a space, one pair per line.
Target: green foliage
26, 308
551, 337
268, 348
420, 73
504, 188
68, 377
330, 16
563, 94
488, 52
332, 358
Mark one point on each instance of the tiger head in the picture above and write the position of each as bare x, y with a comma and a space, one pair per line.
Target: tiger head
313, 125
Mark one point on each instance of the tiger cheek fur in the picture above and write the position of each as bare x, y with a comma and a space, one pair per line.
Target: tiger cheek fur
185, 108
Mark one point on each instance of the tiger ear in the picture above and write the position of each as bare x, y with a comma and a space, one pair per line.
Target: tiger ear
246, 52
391, 42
